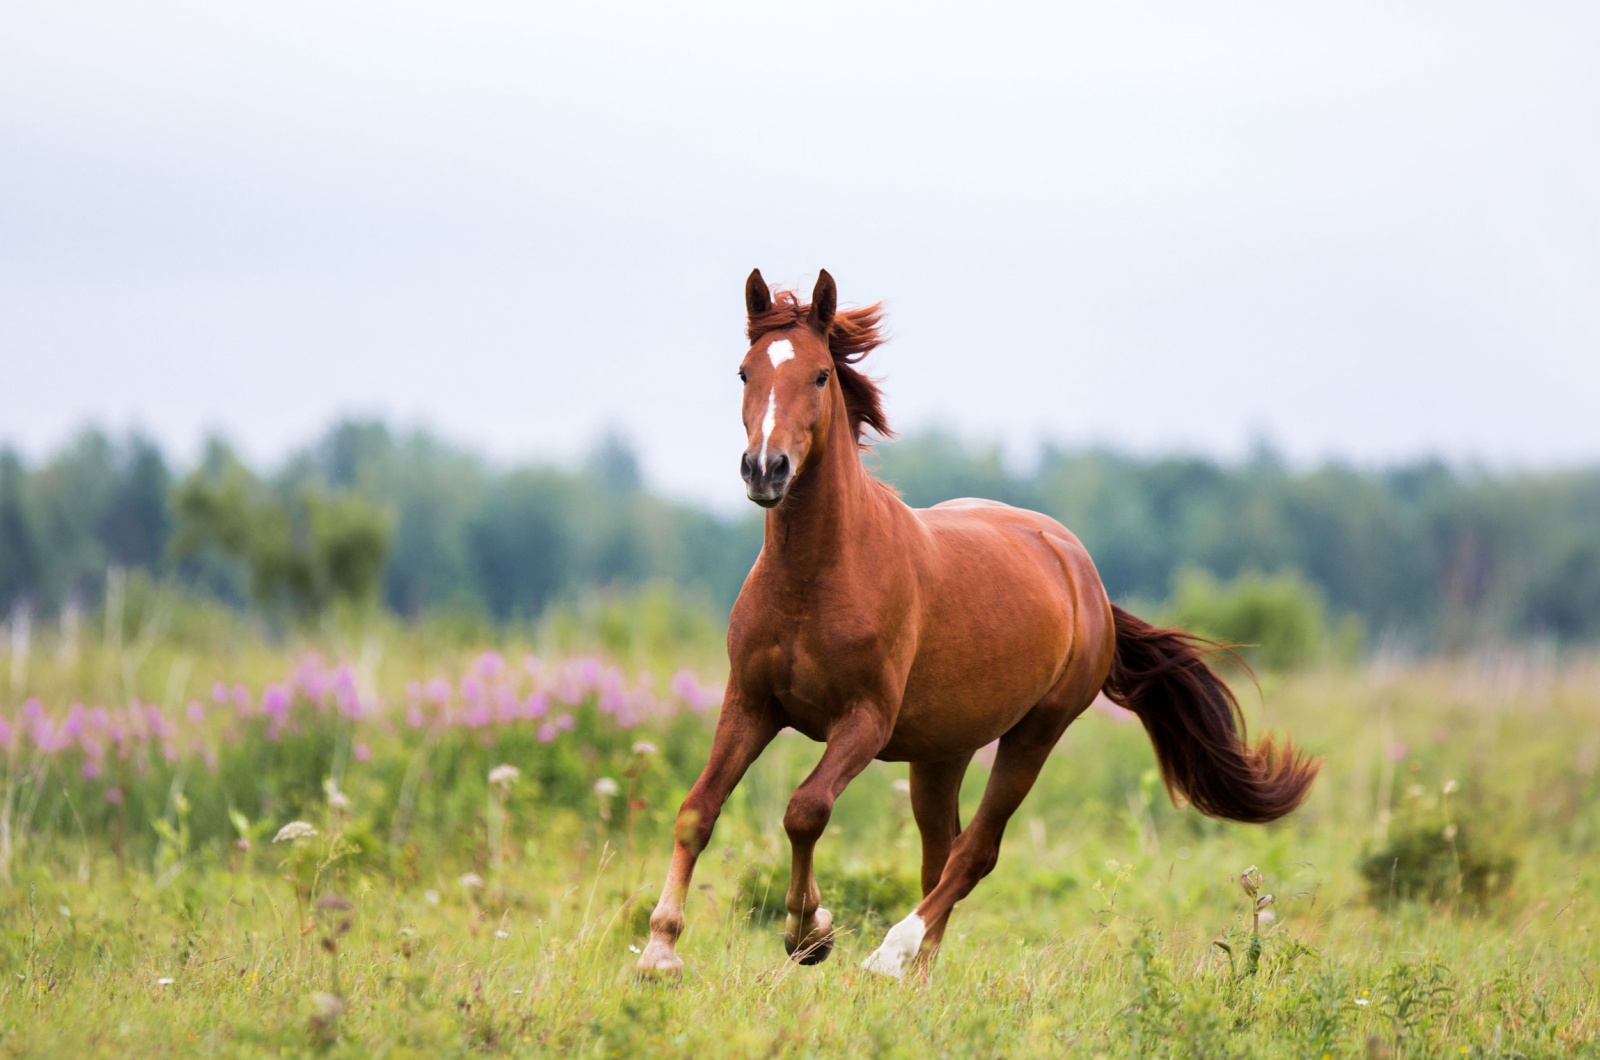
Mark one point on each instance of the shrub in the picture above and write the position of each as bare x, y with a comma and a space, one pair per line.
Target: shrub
1431, 855
1278, 620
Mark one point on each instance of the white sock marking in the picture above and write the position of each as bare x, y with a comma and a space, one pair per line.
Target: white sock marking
899, 946
768, 423
780, 351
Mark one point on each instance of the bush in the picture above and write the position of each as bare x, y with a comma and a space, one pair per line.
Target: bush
1431, 855
1278, 621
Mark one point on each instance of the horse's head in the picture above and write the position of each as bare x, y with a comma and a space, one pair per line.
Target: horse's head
790, 390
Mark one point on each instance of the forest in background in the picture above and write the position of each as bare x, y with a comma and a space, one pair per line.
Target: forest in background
1423, 555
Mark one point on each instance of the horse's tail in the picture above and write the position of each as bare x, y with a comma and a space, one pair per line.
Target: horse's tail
1198, 731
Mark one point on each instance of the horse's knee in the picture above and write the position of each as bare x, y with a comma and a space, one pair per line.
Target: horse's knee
807, 816
696, 819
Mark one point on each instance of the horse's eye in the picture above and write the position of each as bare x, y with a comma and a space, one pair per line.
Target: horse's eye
822, 377
742, 377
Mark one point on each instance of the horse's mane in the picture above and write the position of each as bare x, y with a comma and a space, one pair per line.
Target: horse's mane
854, 334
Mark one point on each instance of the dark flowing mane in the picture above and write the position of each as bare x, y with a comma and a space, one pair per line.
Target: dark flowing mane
854, 334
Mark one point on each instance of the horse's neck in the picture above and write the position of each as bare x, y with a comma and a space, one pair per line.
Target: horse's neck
832, 511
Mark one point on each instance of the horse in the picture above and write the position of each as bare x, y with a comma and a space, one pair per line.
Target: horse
921, 636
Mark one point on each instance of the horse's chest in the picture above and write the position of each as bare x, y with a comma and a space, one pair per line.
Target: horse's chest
809, 692
815, 653
813, 677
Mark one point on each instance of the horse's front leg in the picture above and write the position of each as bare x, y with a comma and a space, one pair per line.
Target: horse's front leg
743, 731
853, 741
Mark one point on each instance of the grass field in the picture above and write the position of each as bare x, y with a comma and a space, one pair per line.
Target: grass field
147, 911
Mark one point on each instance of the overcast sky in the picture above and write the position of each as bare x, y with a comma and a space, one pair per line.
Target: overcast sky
1363, 231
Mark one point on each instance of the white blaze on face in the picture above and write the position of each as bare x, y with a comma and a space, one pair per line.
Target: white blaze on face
779, 351
899, 946
767, 423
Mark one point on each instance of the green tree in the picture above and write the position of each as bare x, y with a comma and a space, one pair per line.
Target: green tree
21, 550
306, 550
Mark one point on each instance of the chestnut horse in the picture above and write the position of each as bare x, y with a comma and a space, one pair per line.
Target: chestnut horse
920, 636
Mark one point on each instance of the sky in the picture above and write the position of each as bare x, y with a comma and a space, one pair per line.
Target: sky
1366, 232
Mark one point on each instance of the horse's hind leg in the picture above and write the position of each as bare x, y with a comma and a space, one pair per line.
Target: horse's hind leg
935, 803
1022, 754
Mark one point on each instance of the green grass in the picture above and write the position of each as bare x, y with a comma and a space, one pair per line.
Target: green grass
1094, 936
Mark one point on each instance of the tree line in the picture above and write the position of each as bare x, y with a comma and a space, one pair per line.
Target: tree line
1441, 556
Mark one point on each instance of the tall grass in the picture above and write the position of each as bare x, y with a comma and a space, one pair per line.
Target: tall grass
499, 918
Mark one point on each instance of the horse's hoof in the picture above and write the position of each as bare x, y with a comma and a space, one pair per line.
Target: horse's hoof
659, 961
900, 947
815, 953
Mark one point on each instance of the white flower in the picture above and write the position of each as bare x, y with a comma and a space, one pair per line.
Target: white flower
902, 786
326, 1008
431, 897
471, 881
294, 830
644, 747
165, 981
504, 776
605, 787
502, 934
336, 799
1449, 787
634, 948
1362, 1001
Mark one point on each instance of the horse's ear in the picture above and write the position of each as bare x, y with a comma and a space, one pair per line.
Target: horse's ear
824, 300
757, 298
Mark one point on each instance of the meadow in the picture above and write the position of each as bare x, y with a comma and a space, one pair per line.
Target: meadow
217, 841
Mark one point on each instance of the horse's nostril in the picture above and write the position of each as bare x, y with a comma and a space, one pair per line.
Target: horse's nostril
779, 468
747, 467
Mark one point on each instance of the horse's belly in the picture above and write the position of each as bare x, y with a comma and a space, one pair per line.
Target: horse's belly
985, 659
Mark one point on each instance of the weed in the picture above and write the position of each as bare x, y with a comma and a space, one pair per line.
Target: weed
1154, 1003
1416, 995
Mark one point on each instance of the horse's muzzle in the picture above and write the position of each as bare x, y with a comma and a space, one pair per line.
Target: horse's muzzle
766, 486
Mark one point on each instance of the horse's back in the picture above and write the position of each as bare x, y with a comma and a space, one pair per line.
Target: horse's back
967, 521
973, 502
